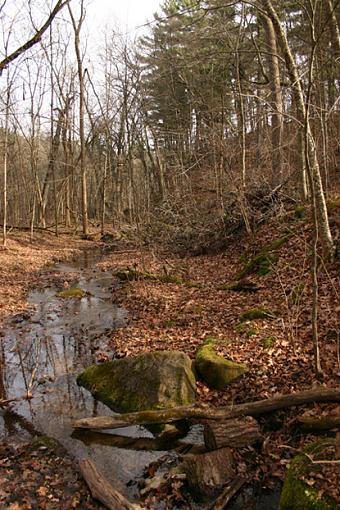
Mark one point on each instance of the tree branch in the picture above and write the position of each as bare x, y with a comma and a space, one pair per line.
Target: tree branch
35, 39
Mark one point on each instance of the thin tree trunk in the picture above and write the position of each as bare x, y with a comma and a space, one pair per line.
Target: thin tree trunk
77, 28
5, 169
314, 170
275, 101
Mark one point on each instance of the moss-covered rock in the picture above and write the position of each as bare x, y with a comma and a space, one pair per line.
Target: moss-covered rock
296, 494
155, 380
131, 274
268, 341
216, 371
257, 313
241, 286
246, 330
72, 292
263, 261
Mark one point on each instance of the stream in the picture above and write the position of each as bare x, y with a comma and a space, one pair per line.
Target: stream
44, 350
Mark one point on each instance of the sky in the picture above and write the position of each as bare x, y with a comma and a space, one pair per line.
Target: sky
128, 14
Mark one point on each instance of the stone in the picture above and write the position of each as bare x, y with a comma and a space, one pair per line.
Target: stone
155, 380
216, 371
296, 494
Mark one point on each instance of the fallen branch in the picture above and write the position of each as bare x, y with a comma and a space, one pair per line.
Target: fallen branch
199, 413
6, 402
222, 501
102, 490
316, 423
118, 441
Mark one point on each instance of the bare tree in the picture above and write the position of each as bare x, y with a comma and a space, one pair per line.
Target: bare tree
77, 28
313, 164
36, 37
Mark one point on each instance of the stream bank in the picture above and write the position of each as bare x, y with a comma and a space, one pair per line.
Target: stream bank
42, 352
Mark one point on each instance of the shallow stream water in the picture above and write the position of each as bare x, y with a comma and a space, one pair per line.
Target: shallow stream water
44, 350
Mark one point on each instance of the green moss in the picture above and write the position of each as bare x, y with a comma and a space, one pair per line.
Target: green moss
333, 203
262, 263
257, 313
152, 380
243, 286
170, 324
300, 212
46, 441
16, 266
216, 371
268, 341
210, 340
191, 284
296, 293
132, 274
72, 292
246, 330
297, 495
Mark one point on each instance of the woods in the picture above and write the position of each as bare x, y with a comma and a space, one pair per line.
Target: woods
170, 191
216, 101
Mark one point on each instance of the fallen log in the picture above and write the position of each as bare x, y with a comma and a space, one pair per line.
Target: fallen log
102, 490
207, 473
236, 433
199, 413
229, 492
130, 443
319, 423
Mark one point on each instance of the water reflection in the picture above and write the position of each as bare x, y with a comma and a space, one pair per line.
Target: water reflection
41, 355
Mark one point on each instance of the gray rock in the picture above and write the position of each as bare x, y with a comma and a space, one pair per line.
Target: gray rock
155, 380
216, 371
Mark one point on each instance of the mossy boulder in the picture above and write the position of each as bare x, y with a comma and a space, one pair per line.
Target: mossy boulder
298, 495
155, 380
257, 313
72, 292
216, 371
240, 286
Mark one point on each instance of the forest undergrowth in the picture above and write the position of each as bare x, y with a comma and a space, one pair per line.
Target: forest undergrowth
177, 302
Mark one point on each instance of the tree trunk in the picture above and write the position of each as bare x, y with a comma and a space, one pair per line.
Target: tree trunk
77, 28
315, 176
275, 101
234, 433
335, 32
208, 472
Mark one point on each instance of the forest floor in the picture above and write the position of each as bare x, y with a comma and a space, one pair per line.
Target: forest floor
196, 303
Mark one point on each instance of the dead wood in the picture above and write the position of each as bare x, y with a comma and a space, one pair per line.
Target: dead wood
231, 489
236, 433
319, 423
102, 490
202, 413
209, 472
131, 443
